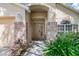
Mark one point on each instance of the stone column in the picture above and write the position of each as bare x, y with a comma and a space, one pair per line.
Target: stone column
51, 25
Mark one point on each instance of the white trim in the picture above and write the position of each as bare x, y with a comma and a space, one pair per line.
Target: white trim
24, 7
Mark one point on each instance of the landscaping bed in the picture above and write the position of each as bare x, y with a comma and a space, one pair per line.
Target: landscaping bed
65, 44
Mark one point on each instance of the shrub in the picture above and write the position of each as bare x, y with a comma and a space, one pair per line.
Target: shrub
65, 44
17, 48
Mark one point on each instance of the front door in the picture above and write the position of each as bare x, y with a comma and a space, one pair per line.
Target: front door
39, 30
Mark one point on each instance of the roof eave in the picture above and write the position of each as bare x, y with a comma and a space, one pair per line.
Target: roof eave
73, 10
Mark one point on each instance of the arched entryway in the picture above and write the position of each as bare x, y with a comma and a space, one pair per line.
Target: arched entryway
38, 20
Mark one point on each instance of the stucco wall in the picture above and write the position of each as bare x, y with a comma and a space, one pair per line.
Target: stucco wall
63, 13
11, 10
40, 15
29, 27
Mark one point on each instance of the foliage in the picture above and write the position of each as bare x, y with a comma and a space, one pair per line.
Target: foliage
65, 44
17, 48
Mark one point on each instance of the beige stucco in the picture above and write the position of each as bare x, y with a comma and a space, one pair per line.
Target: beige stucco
48, 13
56, 14
64, 13
6, 30
39, 15
12, 10
29, 27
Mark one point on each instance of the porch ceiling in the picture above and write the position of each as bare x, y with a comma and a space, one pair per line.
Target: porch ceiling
38, 12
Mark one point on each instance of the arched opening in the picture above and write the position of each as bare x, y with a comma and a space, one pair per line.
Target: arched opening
38, 17
65, 26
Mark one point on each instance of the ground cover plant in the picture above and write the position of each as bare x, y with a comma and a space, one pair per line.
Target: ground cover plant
65, 44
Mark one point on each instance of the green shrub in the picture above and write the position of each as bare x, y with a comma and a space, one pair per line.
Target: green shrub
65, 44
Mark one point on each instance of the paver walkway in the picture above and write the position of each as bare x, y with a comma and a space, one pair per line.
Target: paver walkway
36, 49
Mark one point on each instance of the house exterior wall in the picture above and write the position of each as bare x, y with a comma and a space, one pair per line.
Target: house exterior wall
57, 14
12, 10
54, 17
6, 30
63, 13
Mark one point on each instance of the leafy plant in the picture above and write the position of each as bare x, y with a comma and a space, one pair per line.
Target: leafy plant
65, 44
17, 48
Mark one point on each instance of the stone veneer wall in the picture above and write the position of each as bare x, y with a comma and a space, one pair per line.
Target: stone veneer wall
51, 30
20, 31
51, 25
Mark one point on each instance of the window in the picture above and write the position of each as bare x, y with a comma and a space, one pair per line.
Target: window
61, 28
19, 17
66, 26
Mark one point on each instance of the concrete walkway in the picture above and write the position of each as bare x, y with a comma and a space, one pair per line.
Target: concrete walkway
36, 49
3, 51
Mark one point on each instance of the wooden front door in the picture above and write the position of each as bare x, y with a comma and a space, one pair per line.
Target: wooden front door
39, 30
